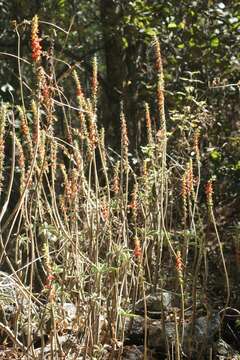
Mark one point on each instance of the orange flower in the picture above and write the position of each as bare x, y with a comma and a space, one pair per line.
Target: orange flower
209, 193
179, 262
49, 281
35, 41
179, 266
137, 249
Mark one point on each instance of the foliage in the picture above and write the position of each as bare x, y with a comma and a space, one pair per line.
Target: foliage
104, 198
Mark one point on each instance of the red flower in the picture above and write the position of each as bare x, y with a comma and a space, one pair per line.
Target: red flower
35, 41
49, 280
137, 249
179, 262
209, 193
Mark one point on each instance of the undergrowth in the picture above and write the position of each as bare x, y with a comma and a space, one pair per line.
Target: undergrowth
83, 224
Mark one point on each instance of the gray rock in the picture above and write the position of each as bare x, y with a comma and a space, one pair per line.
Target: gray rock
156, 335
203, 332
134, 329
132, 353
222, 348
15, 305
154, 303
70, 311
205, 328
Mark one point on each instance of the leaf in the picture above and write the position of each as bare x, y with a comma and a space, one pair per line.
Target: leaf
215, 155
214, 42
181, 46
181, 25
172, 25
7, 88
61, 3
150, 31
191, 42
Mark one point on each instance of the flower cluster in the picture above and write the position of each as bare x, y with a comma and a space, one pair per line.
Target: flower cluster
137, 248
116, 180
196, 143
105, 211
148, 123
209, 193
134, 201
124, 140
179, 266
35, 41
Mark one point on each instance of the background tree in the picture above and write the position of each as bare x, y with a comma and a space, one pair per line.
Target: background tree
201, 59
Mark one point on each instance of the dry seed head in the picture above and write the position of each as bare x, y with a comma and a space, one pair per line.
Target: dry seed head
116, 180
146, 178
179, 266
82, 105
92, 138
160, 101
42, 150
53, 155
102, 146
134, 201
3, 114
35, 111
145, 168
92, 135
79, 91
95, 82
196, 143
104, 210
24, 125
47, 257
64, 173
160, 84
71, 186
45, 93
25, 131
78, 157
189, 178
148, 123
124, 140
137, 248
21, 164
158, 57
209, 193
20, 154
184, 193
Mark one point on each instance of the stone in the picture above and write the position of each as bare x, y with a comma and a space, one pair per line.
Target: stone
154, 303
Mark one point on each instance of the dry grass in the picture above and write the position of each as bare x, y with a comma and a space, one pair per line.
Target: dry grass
83, 225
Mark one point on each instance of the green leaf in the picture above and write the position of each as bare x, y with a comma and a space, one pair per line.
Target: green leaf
181, 25
214, 42
172, 25
215, 155
191, 42
125, 43
237, 166
181, 46
150, 32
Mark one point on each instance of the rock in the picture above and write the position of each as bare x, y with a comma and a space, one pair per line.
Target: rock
154, 307
224, 350
132, 353
205, 328
8, 288
230, 329
203, 332
15, 304
156, 337
70, 311
134, 333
